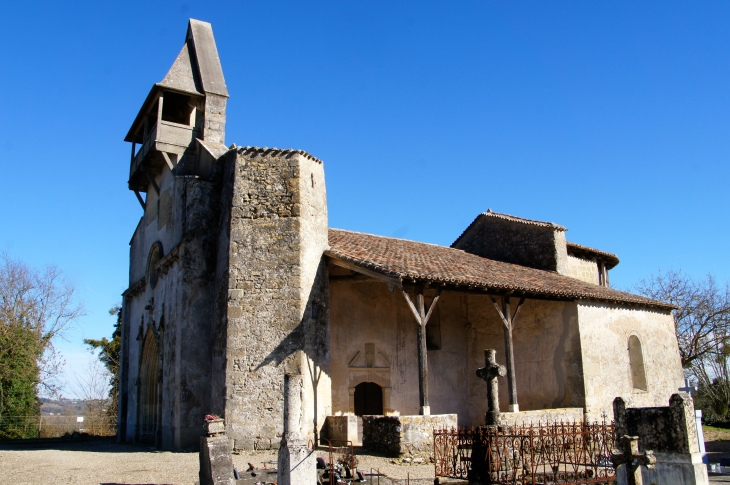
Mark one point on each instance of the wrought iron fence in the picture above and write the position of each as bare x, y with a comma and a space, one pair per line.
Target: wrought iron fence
556, 453
376, 477
45, 426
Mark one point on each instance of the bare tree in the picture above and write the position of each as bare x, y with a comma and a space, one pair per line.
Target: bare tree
702, 317
93, 388
35, 308
702, 323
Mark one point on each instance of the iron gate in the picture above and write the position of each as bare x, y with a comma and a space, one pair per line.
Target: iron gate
540, 454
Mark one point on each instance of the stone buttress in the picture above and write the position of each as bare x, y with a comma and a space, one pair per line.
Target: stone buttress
272, 314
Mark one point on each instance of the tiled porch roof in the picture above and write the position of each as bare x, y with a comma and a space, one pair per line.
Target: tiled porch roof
422, 262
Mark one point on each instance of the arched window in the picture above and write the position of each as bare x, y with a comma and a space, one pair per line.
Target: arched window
636, 361
368, 399
152, 260
149, 390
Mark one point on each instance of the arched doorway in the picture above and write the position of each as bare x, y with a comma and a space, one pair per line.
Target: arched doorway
368, 399
149, 391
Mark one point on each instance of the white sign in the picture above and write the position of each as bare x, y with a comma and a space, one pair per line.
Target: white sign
79, 419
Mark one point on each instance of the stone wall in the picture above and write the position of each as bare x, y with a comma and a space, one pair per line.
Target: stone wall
604, 334
406, 436
276, 310
547, 352
582, 269
544, 416
177, 309
340, 430
540, 246
214, 128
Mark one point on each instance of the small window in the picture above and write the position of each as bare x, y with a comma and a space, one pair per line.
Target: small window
177, 108
636, 361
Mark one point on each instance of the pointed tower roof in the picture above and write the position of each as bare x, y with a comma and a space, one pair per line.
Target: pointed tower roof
200, 35
197, 71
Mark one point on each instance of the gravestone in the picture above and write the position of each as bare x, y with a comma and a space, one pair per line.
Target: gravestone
490, 373
216, 464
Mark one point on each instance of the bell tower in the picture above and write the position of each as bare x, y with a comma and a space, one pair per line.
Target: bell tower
183, 113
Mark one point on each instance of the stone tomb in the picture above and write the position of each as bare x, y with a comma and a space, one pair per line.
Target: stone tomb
670, 433
408, 436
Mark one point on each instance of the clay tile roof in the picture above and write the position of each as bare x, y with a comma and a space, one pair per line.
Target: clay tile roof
422, 262
276, 151
583, 251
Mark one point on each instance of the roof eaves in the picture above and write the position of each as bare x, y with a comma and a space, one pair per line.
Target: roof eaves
276, 151
610, 258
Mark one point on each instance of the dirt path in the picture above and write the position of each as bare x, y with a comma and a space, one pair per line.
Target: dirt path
104, 462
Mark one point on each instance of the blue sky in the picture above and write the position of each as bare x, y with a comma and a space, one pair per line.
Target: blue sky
610, 118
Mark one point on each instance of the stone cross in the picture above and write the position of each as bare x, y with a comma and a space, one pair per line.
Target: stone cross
633, 460
490, 372
688, 388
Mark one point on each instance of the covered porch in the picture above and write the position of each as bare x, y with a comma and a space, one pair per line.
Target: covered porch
410, 323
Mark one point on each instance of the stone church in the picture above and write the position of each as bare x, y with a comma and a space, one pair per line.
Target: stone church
236, 279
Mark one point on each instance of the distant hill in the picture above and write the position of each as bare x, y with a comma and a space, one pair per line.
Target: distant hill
63, 407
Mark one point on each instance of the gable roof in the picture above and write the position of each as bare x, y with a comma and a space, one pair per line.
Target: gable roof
402, 259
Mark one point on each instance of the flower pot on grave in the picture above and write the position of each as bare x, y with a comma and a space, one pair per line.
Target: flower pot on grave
214, 426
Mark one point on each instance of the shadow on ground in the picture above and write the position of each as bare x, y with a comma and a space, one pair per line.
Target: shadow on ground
96, 445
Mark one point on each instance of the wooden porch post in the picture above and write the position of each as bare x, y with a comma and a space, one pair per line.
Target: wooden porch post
422, 315
508, 320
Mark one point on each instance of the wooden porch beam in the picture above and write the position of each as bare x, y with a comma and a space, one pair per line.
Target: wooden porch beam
422, 316
372, 274
508, 319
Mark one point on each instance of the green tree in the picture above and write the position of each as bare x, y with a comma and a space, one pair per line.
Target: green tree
35, 308
109, 352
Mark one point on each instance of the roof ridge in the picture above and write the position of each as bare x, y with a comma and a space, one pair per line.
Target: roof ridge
507, 217
395, 238
264, 150
524, 220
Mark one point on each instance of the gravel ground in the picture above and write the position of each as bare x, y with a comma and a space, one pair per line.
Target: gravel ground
103, 462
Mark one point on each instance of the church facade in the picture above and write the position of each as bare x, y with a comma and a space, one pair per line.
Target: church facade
236, 279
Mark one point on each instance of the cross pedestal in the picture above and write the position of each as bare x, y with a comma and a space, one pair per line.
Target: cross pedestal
490, 372
633, 460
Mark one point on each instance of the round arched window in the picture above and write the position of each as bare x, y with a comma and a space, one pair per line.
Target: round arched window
152, 260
